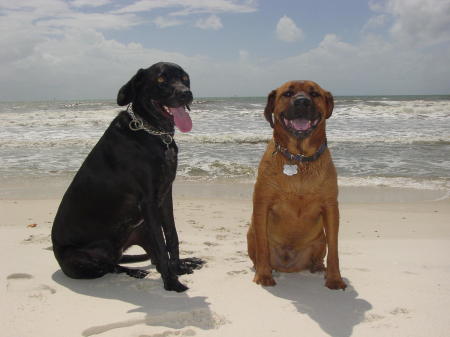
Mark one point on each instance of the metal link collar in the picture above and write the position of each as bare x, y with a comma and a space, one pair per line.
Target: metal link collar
137, 124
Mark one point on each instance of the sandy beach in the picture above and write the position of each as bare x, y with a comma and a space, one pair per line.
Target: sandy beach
394, 249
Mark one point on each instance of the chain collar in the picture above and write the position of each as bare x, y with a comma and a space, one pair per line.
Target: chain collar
299, 157
137, 124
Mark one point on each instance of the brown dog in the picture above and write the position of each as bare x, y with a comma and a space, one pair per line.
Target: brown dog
295, 207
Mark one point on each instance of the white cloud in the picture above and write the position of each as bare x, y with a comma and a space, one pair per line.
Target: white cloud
89, 3
191, 6
288, 31
244, 55
417, 22
375, 22
212, 22
164, 22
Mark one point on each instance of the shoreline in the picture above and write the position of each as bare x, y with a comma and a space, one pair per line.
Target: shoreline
34, 188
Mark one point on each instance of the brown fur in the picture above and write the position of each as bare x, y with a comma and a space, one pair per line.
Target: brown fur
295, 218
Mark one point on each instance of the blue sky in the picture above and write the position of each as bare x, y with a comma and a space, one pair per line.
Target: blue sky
77, 49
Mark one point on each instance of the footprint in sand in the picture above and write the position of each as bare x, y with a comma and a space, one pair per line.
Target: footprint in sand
231, 259
399, 311
221, 229
209, 243
237, 272
19, 276
37, 238
23, 282
241, 253
373, 318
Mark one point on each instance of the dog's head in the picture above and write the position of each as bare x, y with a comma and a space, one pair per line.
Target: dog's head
299, 107
163, 91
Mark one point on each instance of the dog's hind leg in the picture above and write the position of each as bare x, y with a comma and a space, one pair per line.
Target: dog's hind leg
251, 245
85, 263
93, 261
317, 257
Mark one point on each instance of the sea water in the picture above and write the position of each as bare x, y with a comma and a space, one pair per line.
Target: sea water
397, 141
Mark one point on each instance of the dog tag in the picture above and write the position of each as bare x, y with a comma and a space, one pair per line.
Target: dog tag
290, 170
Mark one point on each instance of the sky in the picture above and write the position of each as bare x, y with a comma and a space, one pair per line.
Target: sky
87, 49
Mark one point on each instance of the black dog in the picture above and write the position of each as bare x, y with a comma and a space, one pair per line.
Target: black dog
122, 194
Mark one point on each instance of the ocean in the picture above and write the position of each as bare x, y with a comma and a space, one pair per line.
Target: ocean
396, 141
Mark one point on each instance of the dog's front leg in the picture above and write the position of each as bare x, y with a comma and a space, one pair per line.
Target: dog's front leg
177, 265
263, 273
151, 214
331, 223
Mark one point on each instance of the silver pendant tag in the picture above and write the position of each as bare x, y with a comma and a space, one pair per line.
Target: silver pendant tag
290, 170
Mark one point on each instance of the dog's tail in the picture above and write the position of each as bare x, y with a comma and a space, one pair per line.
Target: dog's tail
133, 258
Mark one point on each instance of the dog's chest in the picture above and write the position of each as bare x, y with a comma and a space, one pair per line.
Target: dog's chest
294, 218
169, 163
170, 157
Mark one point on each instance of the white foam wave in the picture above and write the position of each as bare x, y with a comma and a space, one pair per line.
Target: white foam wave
397, 110
226, 138
404, 140
397, 182
70, 139
62, 142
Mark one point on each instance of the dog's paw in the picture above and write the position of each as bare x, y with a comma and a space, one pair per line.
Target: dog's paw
172, 284
187, 266
193, 262
137, 273
264, 280
335, 284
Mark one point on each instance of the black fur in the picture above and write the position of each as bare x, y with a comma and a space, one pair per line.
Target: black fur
122, 194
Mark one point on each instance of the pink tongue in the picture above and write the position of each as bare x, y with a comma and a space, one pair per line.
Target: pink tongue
301, 124
182, 119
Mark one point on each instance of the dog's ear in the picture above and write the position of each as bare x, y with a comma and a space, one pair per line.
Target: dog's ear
330, 103
270, 106
128, 91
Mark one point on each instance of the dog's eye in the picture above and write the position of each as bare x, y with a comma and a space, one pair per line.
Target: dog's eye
161, 79
288, 94
185, 78
314, 94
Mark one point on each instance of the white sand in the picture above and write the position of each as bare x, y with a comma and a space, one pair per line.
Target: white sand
394, 256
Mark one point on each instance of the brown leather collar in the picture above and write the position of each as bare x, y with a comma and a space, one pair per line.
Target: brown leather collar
299, 157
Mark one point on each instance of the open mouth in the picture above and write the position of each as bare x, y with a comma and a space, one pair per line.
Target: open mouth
300, 127
179, 115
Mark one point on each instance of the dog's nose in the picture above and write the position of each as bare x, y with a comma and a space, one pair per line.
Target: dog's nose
186, 95
302, 102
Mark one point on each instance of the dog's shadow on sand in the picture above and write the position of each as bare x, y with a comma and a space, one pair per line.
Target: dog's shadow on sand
162, 308
337, 312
